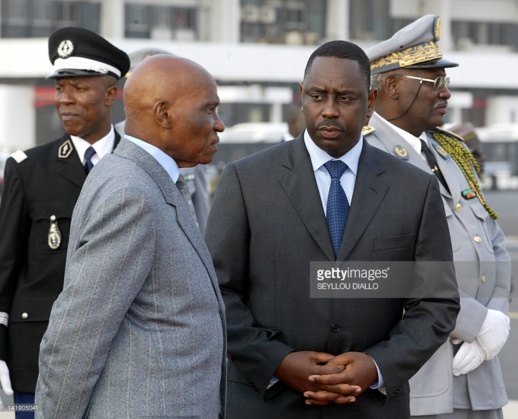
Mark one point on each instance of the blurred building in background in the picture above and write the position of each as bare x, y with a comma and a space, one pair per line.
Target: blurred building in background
256, 49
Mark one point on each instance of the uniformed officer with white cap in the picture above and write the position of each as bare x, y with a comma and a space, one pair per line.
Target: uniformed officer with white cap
463, 378
41, 188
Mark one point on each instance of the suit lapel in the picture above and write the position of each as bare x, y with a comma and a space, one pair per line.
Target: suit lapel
67, 157
391, 139
66, 154
299, 184
448, 168
369, 191
173, 197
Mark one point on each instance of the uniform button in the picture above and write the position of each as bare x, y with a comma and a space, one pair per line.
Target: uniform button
483, 279
335, 328
25, 315
477, 239
458, 207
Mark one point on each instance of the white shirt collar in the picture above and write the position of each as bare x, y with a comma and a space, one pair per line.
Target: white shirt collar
162, 158
319, 157
102, 147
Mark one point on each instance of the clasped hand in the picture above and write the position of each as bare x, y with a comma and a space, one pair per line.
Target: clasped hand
323, 378
490, 340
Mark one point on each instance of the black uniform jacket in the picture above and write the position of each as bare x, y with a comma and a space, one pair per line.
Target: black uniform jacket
40, 192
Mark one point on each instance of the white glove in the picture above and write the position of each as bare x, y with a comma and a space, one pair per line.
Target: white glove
494, 333
469, 357
5, 381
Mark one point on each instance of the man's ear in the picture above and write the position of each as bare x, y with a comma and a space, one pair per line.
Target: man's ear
111, 95
373, 95
162, 114
391, 87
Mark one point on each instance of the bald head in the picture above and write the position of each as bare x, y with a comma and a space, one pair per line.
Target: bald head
160, 78
161, 98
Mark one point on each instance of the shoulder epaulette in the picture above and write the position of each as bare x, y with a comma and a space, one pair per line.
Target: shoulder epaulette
19, 156
367, 129
449, 134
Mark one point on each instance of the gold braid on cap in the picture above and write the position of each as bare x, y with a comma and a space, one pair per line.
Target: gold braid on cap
466, 162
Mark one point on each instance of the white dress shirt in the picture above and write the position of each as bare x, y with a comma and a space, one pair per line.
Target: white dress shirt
102, 147
319, 157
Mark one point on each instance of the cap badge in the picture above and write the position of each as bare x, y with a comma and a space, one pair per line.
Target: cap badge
65, 48
65, 149
437, 32
401, 152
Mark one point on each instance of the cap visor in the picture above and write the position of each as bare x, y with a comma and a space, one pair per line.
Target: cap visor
442, 63
75, 73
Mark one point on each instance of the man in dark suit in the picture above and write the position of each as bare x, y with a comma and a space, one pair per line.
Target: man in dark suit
293, 356
41, 188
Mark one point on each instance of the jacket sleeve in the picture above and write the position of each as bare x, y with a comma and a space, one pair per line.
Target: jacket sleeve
493, 295
109, 258
428, 320
255, 351
13, 242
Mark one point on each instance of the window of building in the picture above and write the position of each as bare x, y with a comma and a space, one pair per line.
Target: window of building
297, 22
161, 22
39, 18
369, 20
468, 34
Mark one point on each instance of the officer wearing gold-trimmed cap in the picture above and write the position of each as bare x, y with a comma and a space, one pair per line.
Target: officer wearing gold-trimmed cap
41, 187
463, 378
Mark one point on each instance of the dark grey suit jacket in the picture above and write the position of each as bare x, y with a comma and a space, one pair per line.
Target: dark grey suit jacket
266, 225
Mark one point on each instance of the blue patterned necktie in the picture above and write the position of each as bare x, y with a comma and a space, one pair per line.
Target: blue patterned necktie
337, 204
90, 151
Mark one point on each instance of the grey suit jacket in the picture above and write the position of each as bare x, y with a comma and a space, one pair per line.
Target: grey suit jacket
265, 227
483, 274
138, 330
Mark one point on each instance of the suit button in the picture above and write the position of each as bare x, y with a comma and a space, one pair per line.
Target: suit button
335, 328
25, 315
458, 207
477, 239
483, 279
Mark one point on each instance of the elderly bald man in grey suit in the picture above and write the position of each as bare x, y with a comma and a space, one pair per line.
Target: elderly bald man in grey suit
139, 328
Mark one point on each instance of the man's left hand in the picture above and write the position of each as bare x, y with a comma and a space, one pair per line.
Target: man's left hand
359, 370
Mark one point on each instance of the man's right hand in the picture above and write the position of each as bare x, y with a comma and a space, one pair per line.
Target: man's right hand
296, 367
